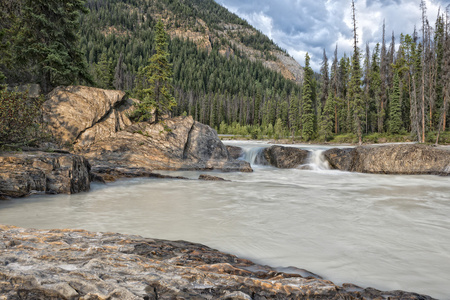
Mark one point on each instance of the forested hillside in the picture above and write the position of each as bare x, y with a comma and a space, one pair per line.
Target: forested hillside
229, 75
223, 68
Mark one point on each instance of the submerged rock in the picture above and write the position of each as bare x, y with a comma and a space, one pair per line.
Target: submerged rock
77, 264
210, 178
53, 173
285, 157
405, 159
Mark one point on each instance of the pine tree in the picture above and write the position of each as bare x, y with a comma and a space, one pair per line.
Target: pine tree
327, 118
49, 42
395, 110
355, 93
104, 72
308, 94
157, 91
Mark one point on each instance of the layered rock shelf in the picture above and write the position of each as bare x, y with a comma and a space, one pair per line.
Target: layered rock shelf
22, 174
77, 264
408, 159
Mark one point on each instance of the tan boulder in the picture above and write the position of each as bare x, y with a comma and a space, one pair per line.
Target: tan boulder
70, 111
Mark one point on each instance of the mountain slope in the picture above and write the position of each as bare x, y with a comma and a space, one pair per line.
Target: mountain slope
203, 22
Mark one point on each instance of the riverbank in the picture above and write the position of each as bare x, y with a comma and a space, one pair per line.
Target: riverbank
77, 264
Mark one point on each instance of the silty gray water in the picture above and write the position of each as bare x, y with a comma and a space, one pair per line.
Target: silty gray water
388, 232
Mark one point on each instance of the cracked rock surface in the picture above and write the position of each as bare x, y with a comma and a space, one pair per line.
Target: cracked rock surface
405, 159
95, 123
77, 264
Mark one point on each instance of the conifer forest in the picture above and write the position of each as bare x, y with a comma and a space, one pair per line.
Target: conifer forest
399, 87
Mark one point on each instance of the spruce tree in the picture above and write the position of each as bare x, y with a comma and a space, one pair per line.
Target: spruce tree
355, 92
49, 42
327, 118
308, 110
157, 91
395, 110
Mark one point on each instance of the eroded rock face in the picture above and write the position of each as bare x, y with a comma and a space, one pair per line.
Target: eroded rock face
72, 112
391, 159
178, 144
52, 173
76, 264
95, 122
285, 157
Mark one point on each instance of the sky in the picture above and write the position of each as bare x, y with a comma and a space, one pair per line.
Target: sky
301, 26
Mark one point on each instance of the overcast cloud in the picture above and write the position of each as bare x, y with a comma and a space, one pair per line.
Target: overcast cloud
301, 26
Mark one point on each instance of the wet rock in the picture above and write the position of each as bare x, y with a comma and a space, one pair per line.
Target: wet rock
77, 264
285, 157
391, 159
341, 159
24, 173
109, 174
210, 178
235, 152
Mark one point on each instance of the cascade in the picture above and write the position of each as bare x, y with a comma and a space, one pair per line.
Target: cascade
254, 155
316, 161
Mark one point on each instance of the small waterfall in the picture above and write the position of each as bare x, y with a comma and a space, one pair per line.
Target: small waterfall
316, 161
254, 155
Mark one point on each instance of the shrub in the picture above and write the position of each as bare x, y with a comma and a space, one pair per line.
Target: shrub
19, 118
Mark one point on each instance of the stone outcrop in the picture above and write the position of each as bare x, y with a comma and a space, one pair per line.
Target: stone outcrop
24, 173
79, 115
285, 157
95, 122
76, 264
177, 144
391, 159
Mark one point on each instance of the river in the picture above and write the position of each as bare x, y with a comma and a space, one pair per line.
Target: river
384, 231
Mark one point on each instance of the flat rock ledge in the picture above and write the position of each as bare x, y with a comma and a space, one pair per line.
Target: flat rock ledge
22, 174
406, 159
77, 264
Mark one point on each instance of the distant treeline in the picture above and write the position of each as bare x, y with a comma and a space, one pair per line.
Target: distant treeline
390, 89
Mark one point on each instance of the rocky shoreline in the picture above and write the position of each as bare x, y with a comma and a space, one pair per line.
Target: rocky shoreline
77, 264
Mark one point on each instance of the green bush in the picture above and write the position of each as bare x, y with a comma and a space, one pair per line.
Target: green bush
19, 116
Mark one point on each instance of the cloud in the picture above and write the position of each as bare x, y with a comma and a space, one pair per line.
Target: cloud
301, 26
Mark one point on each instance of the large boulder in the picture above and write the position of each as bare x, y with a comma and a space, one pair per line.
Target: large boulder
24, 173
391, 159
76, 264
81, 115
285, 157
176, 144
95, 123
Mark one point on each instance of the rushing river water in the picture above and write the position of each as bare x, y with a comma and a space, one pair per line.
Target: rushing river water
387, 232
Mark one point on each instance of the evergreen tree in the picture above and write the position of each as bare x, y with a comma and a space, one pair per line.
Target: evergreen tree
308, 109
395, 111
104, 72
157, 92
355, 93
327, 118
49, 42
325, 79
